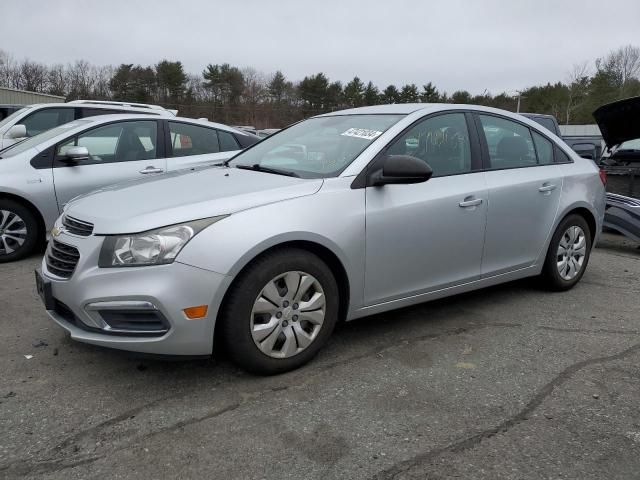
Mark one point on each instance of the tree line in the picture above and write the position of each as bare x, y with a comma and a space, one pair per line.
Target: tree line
233, 95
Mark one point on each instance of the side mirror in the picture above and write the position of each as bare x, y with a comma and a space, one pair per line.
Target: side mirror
76, 154
17, 131
402, 169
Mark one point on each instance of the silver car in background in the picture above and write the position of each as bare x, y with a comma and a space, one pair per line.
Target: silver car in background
337, 217
40, 175
32, 120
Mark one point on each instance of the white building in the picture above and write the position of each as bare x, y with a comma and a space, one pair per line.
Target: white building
12, 96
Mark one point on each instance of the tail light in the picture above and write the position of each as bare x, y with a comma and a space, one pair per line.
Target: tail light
603, 177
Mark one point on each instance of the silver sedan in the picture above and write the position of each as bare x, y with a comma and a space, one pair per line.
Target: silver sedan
335, 218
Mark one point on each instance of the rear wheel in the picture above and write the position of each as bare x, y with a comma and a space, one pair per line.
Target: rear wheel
18, 231
568, 254
280, 311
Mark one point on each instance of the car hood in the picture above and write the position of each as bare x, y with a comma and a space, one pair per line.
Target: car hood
182, 196
619, 121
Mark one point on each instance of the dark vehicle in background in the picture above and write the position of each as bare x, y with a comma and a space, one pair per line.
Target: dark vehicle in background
622, 214
627, 154
6, 110
619, 123
587, 146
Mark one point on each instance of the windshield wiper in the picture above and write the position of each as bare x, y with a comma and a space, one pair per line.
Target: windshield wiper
260, 168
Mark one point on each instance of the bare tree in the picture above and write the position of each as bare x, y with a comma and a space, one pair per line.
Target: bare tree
578, 86
101, 76
9, 71
57, 80
622, 64
629, 61
255, 90
33, 76
79, 80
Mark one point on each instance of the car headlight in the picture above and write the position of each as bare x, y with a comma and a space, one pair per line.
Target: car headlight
154, 247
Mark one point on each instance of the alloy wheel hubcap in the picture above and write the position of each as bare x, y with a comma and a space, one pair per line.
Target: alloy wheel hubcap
288, 314
571, 252
13, 232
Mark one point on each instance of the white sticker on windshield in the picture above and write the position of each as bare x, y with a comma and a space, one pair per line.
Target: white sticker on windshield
362, 133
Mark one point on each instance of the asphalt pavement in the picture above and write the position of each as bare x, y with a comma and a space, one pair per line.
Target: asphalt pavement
506, 382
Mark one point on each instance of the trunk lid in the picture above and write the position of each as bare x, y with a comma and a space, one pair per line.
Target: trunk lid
619, 121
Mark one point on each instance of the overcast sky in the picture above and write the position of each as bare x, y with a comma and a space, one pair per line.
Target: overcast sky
496, 45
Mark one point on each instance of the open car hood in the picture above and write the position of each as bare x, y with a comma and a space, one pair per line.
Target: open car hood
619, 121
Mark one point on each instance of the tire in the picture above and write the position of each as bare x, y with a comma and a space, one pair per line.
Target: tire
15, 219
555, 274
247, 313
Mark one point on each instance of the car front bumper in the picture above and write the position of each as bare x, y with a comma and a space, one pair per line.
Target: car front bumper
78, 304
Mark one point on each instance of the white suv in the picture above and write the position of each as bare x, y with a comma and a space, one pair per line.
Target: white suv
34, 119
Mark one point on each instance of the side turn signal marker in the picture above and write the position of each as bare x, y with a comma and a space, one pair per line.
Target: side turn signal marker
193, 313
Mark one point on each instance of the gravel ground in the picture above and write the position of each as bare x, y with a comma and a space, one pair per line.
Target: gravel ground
506, 382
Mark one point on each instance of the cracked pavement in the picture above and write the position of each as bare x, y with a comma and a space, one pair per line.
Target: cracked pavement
506, 382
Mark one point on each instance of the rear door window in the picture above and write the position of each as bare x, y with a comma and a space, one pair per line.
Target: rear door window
544, 149
509, 143
188, 139
46, 119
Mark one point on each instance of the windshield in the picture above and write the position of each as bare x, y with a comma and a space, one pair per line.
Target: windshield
320, 147
40, 138
11, 117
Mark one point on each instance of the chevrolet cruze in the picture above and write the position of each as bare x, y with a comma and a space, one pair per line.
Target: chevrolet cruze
334, 218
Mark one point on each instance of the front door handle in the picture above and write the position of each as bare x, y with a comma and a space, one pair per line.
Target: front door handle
151, 169
547, 187
470, 202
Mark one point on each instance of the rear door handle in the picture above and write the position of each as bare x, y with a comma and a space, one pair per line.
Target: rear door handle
470, 202
151, 170
547, 187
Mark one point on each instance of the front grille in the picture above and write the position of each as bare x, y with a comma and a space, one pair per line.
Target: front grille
77, 227
61, 259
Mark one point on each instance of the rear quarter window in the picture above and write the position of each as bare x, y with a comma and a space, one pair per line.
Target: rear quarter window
227, 141
561, 157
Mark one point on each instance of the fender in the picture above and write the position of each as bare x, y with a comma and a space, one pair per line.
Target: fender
227, 246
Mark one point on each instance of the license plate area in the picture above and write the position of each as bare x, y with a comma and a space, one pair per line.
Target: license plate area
43, 286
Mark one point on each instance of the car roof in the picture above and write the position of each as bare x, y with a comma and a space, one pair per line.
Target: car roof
427, 108
408, 108
100, 119
102, 106
545, 115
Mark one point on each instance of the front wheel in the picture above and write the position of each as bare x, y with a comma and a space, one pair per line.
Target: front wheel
568, 254
279, 312
18, 231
